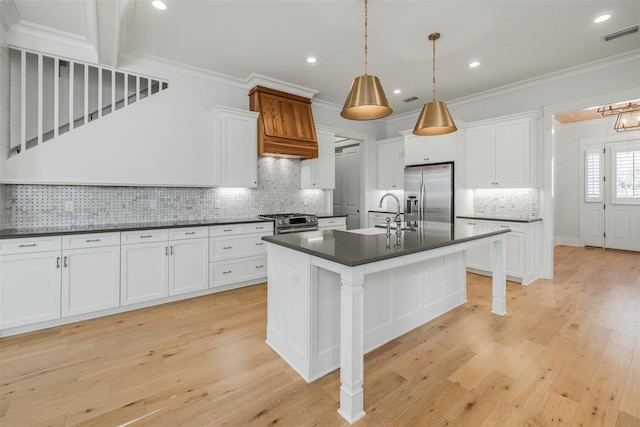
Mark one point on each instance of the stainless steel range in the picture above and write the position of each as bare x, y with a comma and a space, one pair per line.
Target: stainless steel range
293, 222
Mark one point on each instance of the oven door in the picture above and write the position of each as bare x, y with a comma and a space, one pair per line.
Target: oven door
290, 230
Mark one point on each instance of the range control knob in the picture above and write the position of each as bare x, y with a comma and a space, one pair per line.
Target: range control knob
280, 221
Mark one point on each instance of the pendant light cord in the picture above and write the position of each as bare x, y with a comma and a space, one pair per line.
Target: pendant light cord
366, 22
434, 71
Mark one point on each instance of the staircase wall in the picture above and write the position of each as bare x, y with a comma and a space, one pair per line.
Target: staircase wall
162, 140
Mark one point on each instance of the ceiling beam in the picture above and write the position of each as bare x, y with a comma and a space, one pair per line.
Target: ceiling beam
113, 19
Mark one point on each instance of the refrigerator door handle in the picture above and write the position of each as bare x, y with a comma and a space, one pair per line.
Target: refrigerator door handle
421, 202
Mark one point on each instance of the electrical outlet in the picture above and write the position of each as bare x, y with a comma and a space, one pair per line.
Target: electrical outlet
217, 204
153, 204
68, 206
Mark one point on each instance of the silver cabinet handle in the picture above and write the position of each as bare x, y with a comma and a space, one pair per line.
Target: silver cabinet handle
504, 226
259, 228
260, 244
331, 222
27, 246
146, 236
227, 230
166, 251
92, 240
171, 250
58, 262
259, 266
65, 263
227, 247
226, 272
473, 223
190, 232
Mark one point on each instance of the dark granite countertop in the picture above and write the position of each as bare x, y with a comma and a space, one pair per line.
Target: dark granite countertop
389, 212
332, 216
11, 233
352, 248
490, 218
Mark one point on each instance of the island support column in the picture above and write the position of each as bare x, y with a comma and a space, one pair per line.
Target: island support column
499, 304
352, 344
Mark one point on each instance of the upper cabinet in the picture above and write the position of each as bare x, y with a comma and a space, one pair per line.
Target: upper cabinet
419, 150
320, 173
235, 147
391, 164
501, 153
285, 125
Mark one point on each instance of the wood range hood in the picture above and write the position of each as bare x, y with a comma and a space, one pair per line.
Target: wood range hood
285, 124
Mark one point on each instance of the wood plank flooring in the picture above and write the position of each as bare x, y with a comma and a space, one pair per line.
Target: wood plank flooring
567, 353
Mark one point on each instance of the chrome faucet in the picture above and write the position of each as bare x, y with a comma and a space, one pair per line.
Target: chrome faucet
397, 219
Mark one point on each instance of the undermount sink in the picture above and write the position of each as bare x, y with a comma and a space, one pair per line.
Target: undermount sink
368, 231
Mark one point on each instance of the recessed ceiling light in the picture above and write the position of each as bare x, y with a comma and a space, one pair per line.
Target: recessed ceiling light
601, 18
397, 91
158, 4
311, 60
474, 64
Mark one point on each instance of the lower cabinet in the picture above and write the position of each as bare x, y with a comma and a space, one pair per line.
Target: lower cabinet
523, 245
29, 288
380, 218
229, 272
188, 264
90, 279
333, 223
145, 272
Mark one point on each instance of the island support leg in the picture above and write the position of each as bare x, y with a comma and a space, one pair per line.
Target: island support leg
351, 345
499, 305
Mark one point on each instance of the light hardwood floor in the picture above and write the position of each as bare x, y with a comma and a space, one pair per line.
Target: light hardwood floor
567, 353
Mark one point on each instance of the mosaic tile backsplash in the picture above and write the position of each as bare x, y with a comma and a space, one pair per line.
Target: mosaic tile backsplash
517, 203
64, 205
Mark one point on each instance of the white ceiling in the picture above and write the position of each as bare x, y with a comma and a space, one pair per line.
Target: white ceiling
514, 40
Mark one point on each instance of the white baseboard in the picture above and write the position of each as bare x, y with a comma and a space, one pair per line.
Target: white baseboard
567, 241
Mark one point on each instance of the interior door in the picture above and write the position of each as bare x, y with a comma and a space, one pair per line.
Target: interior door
592, 192
347, 192
622, 195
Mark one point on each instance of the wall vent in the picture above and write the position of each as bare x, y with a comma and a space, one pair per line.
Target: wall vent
621, 33
411, 98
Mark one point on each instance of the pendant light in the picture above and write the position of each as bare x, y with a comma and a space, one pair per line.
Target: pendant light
435, 118
366, 100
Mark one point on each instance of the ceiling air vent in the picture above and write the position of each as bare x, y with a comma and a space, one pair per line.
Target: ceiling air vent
621, 33
411, 98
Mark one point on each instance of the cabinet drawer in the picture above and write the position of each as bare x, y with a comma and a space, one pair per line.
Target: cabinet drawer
224, 249
78, 241
514, 226
259, 227
331, 222
144, 236
226, 230
188, 233
226, 273
30, 245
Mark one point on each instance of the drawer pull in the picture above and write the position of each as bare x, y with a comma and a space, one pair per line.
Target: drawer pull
504, 226
259, 266
92, 240
146, 236
166, 251
190, 232
171, 250
473, 223
27, 246
259, 228
227, 247
260, 244
65, 263
226, 272
331, 222
226, 230
58, 262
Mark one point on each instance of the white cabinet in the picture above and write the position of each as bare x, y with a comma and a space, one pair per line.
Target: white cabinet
501, 153
428, 149
235, 147
332, 223
188, 265
237, 254
145, 272
320, 173
90, 279
391, 164
380, 218
29, 287
523, 246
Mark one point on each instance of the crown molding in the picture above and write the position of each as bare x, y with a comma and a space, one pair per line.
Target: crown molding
260, 80
9, 15
326, 104
30, 36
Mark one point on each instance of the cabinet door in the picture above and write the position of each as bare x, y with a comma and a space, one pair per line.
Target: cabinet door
90, 280
320, 173
145, 272
439, 148
414, 150
387, 166
515, 254
480, 157
29, 288
189, 266
512, 163
239, 155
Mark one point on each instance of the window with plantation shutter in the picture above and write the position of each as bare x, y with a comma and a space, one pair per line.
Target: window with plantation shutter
626, 173
593, 176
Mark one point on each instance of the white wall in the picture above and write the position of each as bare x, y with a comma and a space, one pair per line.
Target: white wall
4, 118
568, 158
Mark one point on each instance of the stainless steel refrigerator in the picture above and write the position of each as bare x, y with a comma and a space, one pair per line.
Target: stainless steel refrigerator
428, 193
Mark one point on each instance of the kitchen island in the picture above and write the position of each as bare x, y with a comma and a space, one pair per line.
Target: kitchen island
335, 295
